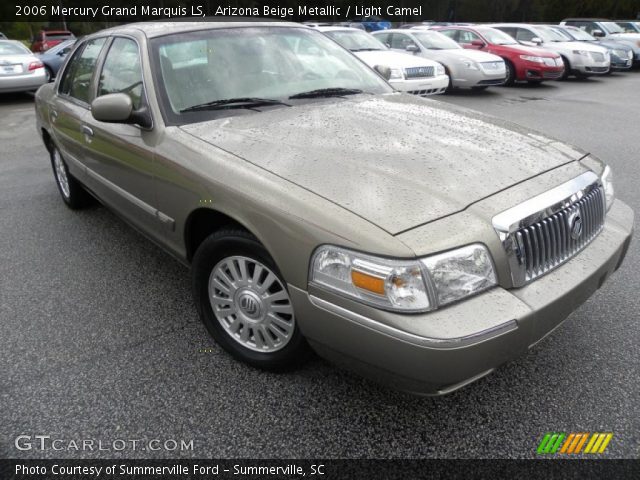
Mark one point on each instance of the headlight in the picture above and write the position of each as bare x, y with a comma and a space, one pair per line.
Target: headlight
531, 58
607, 183
414, 285
630, 54
470, 65
396, 74
440, 70
581, 52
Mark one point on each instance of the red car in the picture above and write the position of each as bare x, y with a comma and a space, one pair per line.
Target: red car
46, 39
530, 64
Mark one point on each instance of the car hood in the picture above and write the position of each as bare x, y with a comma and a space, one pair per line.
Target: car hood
575, 45
524, 50
395, 160
474, 55
393, 59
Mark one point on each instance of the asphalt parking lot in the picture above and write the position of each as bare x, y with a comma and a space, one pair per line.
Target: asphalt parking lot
100, 339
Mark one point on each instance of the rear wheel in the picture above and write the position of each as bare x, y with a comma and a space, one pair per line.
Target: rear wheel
244, 303
73, 195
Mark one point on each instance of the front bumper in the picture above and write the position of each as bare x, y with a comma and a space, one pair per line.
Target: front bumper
466, 78
422, 86
440, 351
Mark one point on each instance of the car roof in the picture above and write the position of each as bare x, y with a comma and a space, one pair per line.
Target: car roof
56, 32
162, 28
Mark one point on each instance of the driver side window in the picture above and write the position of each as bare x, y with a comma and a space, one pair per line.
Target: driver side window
122, 72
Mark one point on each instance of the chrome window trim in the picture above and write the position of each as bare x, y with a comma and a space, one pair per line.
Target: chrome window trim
536, 209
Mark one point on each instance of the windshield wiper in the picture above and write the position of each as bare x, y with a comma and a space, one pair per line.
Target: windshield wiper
327, 92
366, 49
229, 103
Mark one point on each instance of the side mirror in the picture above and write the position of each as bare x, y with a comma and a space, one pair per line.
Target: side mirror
537, 40
477, 43
413, 48
384, 71
113, 108
62, 53
598, 33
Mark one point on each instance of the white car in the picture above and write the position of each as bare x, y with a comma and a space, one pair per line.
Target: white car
410, 74
580, 58
20, 70
466, 68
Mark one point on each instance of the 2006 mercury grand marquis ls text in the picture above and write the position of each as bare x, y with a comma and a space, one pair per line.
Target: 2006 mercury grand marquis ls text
417, 243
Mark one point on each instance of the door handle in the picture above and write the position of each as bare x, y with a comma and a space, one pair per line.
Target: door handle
53, 115
88, 131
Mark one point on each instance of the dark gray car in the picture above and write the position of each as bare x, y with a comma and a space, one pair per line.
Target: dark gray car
418, 243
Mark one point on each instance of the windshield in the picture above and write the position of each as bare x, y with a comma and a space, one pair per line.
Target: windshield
548, 34
355, 40
435, 41
579, 34
497, 37
10, 48
612, 27
267, 63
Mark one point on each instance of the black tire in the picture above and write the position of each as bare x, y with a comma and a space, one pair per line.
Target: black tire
72, 192
449, 88
567, 69
511, 73
48, 73
216, 248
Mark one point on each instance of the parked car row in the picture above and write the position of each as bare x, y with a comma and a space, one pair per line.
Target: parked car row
418, 243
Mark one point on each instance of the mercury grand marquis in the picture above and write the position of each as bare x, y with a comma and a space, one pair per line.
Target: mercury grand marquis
418, 243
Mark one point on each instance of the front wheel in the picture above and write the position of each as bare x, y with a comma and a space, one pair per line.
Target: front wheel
244, 303
511, 73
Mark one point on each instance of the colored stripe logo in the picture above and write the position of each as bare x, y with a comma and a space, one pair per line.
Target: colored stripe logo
573, 443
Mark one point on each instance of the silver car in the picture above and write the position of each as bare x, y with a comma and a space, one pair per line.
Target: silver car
580, 59
418, 243
20, 70
466, 68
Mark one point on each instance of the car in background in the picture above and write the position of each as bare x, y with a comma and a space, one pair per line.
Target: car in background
602, 28
418, 76
55, 57
20, 69
580, 59
466, 68
629, 26
47, 39
371, 23
621, 54
522, 63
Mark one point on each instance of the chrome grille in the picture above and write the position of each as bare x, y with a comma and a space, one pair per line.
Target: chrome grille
418, 72
548, 243
597, 56
545, 231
